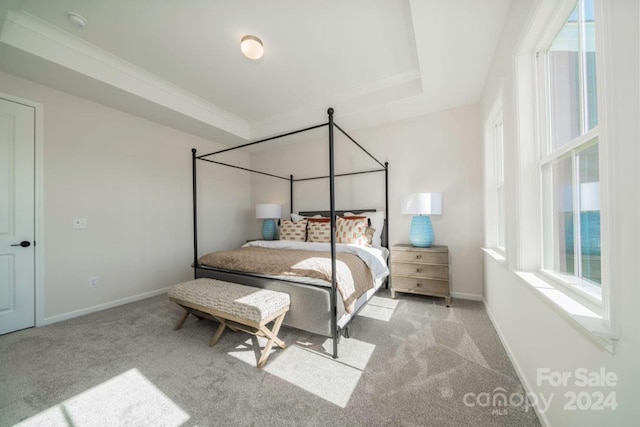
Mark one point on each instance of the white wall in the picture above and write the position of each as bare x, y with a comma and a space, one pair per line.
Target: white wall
535, 334
438, 152
131, 179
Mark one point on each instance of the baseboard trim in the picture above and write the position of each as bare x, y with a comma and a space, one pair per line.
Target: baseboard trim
100, 307
542, 417
462, 295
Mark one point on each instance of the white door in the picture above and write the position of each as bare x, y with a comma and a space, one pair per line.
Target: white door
17, 254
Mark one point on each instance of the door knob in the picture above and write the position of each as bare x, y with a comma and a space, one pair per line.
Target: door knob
24, 244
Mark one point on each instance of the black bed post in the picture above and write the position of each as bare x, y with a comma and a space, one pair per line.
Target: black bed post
386, 207
291, 194
332, 197
195, 214
386, 199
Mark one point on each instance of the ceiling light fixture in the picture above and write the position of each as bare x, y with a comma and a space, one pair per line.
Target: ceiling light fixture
76, 20
251, 47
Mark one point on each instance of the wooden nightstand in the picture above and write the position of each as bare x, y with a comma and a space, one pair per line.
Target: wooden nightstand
423, 271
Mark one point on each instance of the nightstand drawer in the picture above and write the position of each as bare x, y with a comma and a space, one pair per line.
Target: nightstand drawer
423, 271
429, 271
420, 256
420, 286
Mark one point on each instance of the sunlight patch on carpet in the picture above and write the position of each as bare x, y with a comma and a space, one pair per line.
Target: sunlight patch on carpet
379, 308
468, 349
125, 400
333, 380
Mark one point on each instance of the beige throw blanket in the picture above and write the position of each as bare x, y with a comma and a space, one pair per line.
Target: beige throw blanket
353, 277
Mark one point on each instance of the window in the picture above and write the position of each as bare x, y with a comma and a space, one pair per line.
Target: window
569, 154
500, 196
494, 184
562, 220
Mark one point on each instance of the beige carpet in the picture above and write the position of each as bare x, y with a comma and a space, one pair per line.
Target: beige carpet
410, 361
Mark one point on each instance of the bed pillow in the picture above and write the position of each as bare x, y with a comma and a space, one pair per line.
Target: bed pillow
290, 230
296, 217
352, 230
319, 230
377, 222
357, 217
320, 219
369, 233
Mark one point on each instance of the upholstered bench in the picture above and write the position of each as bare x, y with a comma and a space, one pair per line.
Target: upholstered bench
238, 307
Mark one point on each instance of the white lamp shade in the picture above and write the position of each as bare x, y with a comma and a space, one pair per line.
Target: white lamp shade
268, 211
422, 204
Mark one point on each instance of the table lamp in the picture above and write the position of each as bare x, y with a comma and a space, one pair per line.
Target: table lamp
268, 212
421, 205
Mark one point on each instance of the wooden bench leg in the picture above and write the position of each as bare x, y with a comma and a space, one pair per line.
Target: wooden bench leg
182, 320
216, 337
273, 337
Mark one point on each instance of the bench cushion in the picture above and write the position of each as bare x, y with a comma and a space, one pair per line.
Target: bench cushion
245, 302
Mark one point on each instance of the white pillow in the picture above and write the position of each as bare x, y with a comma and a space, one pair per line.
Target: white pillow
377, 222
296, 217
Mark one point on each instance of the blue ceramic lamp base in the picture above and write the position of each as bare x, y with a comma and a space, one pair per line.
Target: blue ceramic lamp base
269, 229
421, 234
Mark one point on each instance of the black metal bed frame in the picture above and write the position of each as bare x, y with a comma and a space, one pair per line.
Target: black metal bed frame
336, 333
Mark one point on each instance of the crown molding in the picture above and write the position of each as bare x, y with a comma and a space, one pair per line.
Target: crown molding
396, 97
37, 37
6, 7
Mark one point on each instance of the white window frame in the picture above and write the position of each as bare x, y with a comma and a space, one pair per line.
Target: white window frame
596, 319
501, 217
494, 179
547, 155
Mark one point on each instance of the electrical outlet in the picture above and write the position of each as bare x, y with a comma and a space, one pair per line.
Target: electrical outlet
79, 222
93, 282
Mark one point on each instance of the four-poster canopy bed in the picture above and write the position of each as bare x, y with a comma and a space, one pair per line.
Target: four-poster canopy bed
314, 307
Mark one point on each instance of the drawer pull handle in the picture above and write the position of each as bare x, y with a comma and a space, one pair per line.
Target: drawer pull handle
418, 270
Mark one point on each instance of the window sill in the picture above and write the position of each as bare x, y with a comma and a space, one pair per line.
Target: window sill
496, 255
589, 292
587, 321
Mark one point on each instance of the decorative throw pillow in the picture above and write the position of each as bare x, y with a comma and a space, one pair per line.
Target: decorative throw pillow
377, 222
352, 231
370, 233
290, 230
319, 230
350, 218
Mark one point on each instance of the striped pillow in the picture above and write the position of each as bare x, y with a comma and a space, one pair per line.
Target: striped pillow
290, 230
